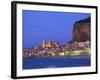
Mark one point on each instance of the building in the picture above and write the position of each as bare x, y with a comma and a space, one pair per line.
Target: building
44, 44
50, 44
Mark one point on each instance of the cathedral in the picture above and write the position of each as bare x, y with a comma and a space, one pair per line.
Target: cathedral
50, 44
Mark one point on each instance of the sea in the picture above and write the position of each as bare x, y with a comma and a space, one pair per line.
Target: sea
56, 62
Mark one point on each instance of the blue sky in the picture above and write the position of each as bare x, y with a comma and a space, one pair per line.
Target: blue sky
45, 25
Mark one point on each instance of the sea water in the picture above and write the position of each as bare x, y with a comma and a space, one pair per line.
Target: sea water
56, 62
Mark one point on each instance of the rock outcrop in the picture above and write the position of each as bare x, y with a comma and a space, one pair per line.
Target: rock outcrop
82, 30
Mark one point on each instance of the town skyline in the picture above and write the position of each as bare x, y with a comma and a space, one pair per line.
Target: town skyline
79, 45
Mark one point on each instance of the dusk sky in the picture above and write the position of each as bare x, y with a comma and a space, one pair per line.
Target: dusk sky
44, 25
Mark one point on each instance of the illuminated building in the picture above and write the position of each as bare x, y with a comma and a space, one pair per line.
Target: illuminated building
44, 44
49, 44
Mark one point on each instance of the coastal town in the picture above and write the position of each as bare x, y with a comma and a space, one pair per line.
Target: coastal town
53, 48
79, 45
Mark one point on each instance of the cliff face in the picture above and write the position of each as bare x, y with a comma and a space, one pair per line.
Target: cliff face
82, 30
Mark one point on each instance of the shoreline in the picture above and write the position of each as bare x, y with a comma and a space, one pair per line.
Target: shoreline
78, 56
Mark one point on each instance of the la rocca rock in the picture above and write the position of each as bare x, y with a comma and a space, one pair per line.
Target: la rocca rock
82, 30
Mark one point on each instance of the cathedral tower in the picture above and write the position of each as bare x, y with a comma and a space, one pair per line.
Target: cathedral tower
44, 44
